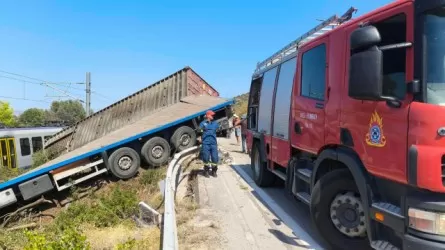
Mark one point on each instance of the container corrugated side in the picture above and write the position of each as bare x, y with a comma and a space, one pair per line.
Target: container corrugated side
163, 93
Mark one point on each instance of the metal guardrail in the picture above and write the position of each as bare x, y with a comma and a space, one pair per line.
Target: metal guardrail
170, 234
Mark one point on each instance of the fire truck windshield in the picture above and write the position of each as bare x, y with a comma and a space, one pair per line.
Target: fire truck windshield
434, 42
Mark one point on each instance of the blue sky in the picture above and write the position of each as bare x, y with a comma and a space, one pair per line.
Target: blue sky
127, 45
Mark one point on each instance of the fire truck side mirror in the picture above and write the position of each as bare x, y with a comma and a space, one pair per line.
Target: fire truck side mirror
366, 65
366, 75
364, 37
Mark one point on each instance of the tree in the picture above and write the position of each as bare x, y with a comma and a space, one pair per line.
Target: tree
32, 117
6, 115
68, 112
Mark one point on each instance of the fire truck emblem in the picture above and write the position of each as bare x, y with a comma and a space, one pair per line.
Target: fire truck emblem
375, 136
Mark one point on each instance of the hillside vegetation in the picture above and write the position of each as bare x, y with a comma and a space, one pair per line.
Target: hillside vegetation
98, 214
240, 106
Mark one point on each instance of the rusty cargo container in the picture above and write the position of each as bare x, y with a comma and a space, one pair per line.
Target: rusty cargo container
161, 94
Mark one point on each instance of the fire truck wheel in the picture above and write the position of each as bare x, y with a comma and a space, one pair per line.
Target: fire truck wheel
262, 176
156, 151
184, 137
124, 163
337, 211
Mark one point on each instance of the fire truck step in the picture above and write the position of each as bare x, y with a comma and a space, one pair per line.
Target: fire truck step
388, 208
304, 174
382, 245
304, 197
280, 174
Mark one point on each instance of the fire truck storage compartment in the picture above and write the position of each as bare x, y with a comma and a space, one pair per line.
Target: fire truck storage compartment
36, 186
7, 197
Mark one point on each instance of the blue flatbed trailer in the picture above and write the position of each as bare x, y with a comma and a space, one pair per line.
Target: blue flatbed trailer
120, 152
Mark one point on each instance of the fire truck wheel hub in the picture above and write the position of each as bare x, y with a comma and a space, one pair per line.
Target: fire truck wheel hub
125, 162
348, 215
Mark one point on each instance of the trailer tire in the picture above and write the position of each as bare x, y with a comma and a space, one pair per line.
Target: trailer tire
261, 175
124, 163
334, 198
156, 151
183, 138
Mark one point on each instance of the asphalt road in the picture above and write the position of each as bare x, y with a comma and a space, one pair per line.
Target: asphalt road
289, 211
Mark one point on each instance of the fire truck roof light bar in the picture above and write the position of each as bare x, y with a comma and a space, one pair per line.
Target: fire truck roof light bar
292, 47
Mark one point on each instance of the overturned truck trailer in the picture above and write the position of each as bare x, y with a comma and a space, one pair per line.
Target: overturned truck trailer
149, 100
147, 127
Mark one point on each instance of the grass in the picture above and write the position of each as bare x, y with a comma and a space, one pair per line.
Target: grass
41, 157
38, 158
101, 220
104, 210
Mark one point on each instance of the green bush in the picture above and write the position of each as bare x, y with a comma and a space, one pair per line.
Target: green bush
70, 239
105, 211
127, 245
41, 157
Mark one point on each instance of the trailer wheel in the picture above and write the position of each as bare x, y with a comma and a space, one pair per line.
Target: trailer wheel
124, 163
262, 176
337, 211
184, 137
156, 151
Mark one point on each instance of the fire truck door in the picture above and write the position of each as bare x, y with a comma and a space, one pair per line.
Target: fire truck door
309, 93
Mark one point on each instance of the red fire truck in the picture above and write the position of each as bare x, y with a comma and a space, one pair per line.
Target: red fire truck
352, 117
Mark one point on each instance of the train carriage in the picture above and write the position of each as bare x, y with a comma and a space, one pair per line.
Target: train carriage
17, 145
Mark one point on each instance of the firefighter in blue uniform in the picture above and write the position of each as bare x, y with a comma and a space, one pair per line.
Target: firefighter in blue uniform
209, 148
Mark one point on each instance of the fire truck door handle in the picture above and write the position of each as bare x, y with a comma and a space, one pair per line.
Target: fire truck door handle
297, 128
319, 105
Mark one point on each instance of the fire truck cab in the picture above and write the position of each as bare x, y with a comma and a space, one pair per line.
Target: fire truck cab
351, 116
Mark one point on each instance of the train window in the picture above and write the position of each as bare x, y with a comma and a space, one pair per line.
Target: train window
25, 147
37, 144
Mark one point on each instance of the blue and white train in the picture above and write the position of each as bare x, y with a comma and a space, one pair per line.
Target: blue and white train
18, 144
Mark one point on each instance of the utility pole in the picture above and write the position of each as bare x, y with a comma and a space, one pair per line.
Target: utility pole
88, 94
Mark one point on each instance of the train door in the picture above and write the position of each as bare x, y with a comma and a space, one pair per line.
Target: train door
8, 153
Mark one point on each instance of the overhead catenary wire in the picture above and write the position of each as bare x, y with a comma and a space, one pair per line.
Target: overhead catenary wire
22, 98
47, 83
41, 84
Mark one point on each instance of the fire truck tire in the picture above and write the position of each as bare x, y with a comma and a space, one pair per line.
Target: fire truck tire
337, 211
156, 151
261, 175
184, 137
124, 163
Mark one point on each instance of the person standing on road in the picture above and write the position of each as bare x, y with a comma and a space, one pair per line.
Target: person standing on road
243, 125
209, 148
236, 125
243, 133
